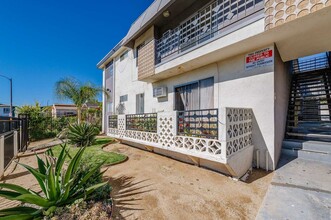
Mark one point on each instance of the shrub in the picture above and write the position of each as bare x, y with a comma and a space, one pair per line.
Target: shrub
60, 187
83, 134
101, 193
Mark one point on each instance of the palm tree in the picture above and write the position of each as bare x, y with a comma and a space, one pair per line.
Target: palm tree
79, 93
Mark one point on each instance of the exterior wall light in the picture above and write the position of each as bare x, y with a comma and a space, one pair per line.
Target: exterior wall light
166, 13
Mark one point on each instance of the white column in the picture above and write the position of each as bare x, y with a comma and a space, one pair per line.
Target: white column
2, 156
104, 103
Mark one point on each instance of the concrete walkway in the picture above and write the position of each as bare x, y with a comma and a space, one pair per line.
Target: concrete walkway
300, 189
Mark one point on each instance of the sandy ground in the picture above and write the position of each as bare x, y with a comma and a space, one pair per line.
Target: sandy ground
151, 186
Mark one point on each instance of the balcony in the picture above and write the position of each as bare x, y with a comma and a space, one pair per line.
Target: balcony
224, 138
209, 23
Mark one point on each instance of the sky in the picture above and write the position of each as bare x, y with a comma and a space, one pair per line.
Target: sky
44, 41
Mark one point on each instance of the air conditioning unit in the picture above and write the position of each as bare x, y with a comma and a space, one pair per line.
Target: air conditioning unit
160, 92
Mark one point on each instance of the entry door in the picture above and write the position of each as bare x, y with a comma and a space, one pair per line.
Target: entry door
140, 103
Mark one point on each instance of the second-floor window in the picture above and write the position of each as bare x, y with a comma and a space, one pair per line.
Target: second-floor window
124, 55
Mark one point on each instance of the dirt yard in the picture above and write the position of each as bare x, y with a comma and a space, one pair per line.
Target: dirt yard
150, 186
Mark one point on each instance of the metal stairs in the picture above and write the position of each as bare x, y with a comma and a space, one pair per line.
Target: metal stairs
308, 131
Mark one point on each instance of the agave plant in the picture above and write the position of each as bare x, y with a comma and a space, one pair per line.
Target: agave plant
59, 186
83, 134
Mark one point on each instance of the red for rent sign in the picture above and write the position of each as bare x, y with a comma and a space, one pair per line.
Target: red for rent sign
259, 58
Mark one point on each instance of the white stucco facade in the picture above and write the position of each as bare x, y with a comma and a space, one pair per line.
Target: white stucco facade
261, 91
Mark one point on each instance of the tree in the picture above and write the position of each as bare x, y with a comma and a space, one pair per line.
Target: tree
77, 92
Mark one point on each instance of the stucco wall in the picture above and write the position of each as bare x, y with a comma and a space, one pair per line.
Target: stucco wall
234, 87
282, 94
251, 89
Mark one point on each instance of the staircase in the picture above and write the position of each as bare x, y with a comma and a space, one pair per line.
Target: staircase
308, 131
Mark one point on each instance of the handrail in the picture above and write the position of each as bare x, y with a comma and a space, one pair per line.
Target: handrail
312, 64
8, 132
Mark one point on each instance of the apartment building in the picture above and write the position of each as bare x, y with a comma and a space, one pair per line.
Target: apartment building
218, 83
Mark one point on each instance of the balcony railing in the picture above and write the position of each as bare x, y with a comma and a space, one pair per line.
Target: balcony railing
112, 121
142, 122
203, 25
198, 123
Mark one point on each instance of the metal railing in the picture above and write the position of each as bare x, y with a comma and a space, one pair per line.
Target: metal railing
112, 121
203, 25
198, 123
313, 64
142, 122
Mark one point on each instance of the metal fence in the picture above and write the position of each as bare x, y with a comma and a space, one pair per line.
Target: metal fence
142, 122
14, 138
198, 123
207, 23
112, 121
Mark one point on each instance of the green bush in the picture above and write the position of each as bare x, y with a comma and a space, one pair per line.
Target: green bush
83, 134
101, 193
60, 187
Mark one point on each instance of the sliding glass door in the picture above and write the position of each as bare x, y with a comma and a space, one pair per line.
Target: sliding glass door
195, 96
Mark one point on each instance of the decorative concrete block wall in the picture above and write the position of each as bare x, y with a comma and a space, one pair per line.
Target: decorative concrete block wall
277, 12
238, 129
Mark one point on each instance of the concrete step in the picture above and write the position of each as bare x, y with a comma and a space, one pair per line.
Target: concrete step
310, 136
311, 150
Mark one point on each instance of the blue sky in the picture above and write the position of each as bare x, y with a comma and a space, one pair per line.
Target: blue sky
44, 41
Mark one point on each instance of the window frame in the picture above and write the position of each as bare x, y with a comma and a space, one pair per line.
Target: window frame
191, 83
124, 55
124, 96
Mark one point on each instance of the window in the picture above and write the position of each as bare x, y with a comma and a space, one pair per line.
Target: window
137, 51
109, 78
110, 69
195, 96
140, 103
124, 55
123, 98
6, 110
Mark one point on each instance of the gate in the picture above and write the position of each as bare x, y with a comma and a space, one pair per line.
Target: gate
14, 138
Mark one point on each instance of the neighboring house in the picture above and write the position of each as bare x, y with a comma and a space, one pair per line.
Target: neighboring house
5, 110
91, 105
209, 82
60, 110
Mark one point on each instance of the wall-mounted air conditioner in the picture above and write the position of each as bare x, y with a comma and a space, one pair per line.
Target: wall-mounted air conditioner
160, 92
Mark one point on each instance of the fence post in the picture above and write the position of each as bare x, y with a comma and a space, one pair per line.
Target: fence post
21, 135
2, 156
15, 143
